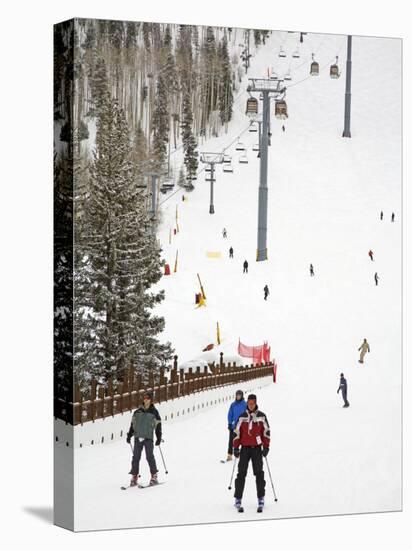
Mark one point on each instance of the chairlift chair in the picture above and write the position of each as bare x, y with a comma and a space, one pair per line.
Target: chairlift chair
243, 159
226, 159
255, 147
252, 106
334, 69
282, 52
281, 109
228, 167
240, 146
208, 168
273, 75
253, 127
296, 54
287, 76
314, 67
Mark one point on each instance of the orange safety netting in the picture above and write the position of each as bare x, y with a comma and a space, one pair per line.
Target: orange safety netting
259, 354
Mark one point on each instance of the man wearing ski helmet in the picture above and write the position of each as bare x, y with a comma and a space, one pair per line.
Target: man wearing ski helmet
235, 410
251, 442
145, 421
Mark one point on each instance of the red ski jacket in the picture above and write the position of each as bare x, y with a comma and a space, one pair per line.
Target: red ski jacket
252, 430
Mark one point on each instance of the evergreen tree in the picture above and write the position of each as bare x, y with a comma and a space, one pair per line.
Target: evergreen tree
120, 261
181, 182
189, 143
225, 90
160, 123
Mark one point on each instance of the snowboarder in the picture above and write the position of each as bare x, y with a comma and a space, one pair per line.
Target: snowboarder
393, 217
230, 252
224, 233
343, 387
266, 291
381, 215
245, 267
376, 279
370, 254
251, 442
311, 271
283, 128
235, 410
364, 349
145, 421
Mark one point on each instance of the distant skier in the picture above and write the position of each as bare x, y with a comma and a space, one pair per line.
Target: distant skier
245, 267
235, 410
393, 217
370, 254
311, 270
251, 442
283, 128
266, 291
145, 421
343, 387
224, 233
376, 277
381, 215
230, 252
364, 349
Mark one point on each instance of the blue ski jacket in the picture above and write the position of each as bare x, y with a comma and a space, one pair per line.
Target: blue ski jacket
235, 410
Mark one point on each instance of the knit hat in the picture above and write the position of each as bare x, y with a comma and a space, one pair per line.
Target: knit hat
148, 394
251, 396
239, 392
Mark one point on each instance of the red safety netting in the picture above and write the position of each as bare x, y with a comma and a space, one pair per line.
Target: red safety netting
259, 354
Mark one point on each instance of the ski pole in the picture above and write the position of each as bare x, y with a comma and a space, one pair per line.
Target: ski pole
271, 480
161, 454
233, 471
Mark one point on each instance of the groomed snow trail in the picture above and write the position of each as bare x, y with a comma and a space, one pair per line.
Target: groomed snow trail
325, 196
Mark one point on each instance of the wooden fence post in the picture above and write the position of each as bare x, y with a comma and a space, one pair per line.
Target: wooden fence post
92, 399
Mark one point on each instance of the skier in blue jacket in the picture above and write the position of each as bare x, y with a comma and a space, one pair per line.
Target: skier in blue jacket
235, 410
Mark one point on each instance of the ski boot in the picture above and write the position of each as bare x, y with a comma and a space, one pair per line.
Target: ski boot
133, 481
261, 503
238, 504
153, 480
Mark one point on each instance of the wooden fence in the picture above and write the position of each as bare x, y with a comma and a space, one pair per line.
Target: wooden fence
104, 401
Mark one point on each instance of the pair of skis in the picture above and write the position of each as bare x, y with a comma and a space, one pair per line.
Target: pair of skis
140, 486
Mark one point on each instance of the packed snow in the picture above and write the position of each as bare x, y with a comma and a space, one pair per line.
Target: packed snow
325, 197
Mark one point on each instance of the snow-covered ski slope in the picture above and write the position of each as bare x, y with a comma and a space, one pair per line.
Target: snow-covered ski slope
325, 196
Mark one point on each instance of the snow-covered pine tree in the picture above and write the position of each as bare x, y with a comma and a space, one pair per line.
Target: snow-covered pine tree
139, 156
189, 143
120, 263
225, 89
160, 124
181, 182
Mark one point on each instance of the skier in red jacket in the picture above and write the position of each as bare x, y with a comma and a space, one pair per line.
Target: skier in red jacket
251, 442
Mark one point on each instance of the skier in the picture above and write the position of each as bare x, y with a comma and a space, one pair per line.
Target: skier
393, 217
235, 410
381, 215
245, 267
145, 421
343, 386
224, 233
376, 279
230, 252
364, 348
370, 254
251, 442
283, 127
312, 273
266, 291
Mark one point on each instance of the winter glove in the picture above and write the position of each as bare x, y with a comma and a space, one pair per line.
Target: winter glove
236, 452
128, 438
265, 451
230, 427
158, 441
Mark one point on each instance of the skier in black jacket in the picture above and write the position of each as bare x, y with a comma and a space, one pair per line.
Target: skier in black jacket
145, 421
343, 387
